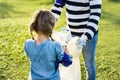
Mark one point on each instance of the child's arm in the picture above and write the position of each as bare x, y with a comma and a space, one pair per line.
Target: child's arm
66, 60
63, 57
26, 47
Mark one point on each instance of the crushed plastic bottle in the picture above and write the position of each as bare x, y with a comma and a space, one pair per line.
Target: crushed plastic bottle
65, 38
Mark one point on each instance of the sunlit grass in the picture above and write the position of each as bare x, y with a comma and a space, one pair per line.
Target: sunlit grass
14, 20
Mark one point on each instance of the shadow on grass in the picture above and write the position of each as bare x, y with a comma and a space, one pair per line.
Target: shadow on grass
110, 17
2, 76
6, 9
116, 1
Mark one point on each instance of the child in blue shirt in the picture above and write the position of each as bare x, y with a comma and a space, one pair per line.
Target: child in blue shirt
44, 53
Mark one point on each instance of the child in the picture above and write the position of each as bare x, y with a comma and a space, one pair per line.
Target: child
44, 53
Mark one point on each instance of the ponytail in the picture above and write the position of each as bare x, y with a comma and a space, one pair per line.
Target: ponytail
51, 38
31, 35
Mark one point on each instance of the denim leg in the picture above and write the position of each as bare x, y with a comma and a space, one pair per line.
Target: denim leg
89, 57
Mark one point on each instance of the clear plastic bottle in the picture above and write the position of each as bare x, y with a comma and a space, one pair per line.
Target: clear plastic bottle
65, 36
65, 39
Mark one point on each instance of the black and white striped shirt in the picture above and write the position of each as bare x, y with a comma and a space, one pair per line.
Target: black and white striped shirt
82, 15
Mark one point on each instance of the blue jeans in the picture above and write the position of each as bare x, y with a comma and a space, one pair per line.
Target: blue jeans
89, 57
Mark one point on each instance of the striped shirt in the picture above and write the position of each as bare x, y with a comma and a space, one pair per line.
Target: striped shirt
82, 15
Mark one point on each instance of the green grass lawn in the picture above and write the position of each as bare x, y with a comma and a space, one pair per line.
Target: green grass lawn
14, 20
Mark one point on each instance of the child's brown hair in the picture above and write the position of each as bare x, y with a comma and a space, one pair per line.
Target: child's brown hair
43, 21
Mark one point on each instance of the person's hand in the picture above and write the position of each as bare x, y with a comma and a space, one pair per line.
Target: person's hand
81, 41
65, 49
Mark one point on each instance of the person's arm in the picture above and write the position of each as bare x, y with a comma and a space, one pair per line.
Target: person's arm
95, 13
66, 60
57, 8
62, 56
92, 26
26, 47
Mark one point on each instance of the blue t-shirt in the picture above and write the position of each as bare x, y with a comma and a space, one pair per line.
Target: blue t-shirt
43, 59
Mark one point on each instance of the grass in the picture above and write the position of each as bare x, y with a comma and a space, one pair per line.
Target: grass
14, 20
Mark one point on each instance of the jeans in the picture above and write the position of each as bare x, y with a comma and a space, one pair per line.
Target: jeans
89, 57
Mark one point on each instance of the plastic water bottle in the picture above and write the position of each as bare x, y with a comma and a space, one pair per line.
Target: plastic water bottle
65, 36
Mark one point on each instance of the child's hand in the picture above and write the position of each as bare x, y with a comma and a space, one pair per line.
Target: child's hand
66, 49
